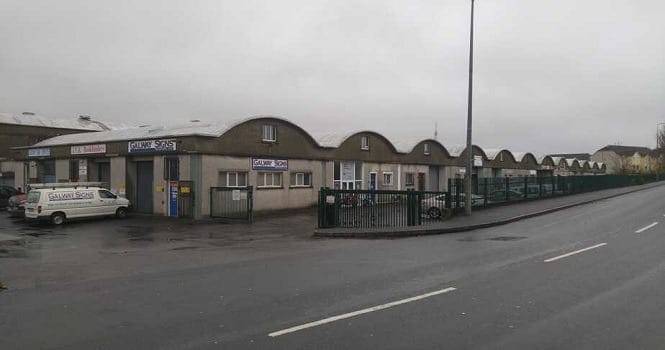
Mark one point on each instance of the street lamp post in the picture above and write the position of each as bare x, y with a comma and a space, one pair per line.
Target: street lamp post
469, 147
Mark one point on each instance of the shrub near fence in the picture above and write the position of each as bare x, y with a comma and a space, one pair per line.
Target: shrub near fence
380, 209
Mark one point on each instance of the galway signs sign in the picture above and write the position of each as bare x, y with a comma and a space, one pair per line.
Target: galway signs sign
151, 146
270, 164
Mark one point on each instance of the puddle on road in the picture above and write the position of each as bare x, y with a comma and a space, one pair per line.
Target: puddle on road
13, 252
498, 238
138, 233
506, 238
185, 248
141, 239
37, 231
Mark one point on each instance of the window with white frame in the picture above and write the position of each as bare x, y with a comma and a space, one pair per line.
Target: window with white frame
301, 179
269, 133
410, 179
269, 180
233, 179
348, 175
426, 149
364, 143
388, 179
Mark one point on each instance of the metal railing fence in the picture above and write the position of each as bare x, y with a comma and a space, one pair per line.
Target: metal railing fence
381, 208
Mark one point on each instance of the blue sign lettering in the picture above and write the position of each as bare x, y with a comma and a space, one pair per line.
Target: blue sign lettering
270, 164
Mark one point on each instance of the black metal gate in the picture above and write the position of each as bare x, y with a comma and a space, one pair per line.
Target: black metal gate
185, 199
231, 203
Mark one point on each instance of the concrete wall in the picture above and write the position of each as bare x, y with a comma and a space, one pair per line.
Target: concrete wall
283, 197
380, 169
196, 175
62, 170
612, 160
160, 194
415, 170
118, 173
19, 170
185, 164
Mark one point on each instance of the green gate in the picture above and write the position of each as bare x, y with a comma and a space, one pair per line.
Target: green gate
231, 203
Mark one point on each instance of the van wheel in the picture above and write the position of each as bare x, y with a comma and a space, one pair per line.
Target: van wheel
57, 218
121, 213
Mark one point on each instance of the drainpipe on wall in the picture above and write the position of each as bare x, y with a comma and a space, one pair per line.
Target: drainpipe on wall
399, 177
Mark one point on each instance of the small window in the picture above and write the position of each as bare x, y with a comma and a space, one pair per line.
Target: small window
388, 179
301, 179
409, 181
33, 196
364, 143
233, 179
106, 194
269, 133
426, 149
171, 169
269, 180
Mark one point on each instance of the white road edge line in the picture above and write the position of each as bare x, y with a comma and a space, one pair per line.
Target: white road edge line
646, 227
359, 312
573, 253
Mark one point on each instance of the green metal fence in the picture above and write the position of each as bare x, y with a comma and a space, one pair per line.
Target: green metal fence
231, 203
366, 209
379, 209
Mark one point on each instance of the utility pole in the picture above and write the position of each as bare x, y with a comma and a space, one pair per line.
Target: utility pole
469, 145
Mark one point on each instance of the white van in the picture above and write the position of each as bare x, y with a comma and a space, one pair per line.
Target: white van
59, 202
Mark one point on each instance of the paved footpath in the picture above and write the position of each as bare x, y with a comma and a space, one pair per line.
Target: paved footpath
487, 217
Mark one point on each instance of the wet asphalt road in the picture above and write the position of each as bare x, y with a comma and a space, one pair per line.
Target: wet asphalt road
90, 286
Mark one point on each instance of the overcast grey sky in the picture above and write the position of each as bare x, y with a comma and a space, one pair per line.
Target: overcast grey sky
550, 75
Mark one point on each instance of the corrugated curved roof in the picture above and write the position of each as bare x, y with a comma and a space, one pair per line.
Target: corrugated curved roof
190, 128
331, 139
139, 133
77, 123
571, 161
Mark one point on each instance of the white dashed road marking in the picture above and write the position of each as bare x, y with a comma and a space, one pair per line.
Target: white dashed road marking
573, 253
359, 312
646, 227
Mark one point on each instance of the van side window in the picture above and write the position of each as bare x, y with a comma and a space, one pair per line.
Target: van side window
106, 194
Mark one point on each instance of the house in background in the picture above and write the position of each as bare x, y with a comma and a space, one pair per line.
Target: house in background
626, 159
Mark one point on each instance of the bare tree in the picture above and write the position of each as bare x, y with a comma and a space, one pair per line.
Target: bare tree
660, 137
658, 154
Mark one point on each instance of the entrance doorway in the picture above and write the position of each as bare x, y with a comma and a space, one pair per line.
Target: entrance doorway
144, 184
348, 185
421, 181
433, 178
104, 173
372, 181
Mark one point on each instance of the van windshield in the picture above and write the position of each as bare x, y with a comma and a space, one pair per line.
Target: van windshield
33, 196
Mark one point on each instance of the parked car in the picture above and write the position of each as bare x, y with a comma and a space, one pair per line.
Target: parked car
60, 202
500, 196
5, 193
532, 191
16, 205
435, 207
